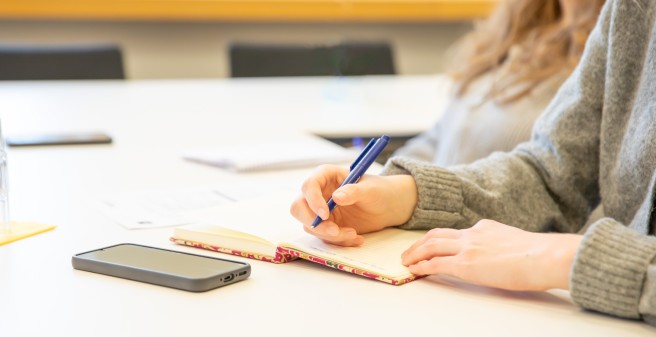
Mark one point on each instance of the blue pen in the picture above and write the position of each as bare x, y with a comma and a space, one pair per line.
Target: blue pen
359, 167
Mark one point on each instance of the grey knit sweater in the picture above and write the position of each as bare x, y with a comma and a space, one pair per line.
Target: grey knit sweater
594, 143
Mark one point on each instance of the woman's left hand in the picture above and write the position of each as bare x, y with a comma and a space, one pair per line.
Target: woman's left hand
497, 255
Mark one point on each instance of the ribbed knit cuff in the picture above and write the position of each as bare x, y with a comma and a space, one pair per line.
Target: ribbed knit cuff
439, 199
610, 267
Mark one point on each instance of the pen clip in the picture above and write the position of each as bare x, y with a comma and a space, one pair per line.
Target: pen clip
363, 153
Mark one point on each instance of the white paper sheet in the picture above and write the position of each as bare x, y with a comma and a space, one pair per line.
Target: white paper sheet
305, 152
159, 208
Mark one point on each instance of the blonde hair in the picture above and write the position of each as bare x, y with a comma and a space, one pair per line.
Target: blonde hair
543, 43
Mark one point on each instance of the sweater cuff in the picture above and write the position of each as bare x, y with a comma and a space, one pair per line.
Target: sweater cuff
609, 269
439, 195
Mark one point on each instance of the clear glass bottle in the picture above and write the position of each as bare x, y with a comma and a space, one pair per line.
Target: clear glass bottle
4, 188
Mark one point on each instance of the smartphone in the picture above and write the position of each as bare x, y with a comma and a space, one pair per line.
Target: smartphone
59, 139
163, 267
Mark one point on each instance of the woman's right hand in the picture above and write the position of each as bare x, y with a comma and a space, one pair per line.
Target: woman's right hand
375, 202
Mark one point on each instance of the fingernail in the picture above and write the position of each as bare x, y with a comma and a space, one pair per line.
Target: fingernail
339, 195
323, 214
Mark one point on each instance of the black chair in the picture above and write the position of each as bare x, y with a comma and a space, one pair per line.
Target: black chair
346, 59
52, 62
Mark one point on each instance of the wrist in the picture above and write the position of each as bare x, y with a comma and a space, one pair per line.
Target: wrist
558, 257
404, 192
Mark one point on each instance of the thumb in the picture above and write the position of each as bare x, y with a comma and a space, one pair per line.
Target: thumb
347, 195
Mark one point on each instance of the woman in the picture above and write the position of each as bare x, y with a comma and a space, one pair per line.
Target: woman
495, 219
514, 63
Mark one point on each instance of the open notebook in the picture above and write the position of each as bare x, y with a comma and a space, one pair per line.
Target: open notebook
263, 229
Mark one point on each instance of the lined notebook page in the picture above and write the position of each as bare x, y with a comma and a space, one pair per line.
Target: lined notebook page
380, 253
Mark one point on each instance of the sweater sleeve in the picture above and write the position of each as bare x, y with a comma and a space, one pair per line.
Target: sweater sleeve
504, 187
615, 272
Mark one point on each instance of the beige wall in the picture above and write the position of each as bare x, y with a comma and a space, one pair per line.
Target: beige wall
199, 49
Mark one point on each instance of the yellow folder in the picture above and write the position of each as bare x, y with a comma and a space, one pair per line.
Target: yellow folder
21, 230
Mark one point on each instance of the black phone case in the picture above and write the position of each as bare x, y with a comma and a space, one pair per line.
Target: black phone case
241, 272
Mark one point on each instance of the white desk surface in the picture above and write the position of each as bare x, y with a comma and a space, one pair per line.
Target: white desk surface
152, 122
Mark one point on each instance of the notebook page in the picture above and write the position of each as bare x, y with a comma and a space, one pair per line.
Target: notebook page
380, 253
266, 217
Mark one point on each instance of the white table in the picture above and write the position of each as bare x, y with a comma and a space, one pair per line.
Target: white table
152, 123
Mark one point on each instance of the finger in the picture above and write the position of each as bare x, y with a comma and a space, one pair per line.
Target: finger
445, 265
313, 188
302, 212
430, 249
313, 196
342, 236
445, 233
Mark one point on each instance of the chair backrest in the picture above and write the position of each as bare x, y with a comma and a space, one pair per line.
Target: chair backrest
366, 59
346, 59
69, 62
